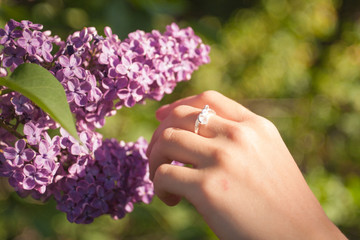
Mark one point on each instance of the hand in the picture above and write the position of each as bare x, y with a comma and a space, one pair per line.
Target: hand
242, 179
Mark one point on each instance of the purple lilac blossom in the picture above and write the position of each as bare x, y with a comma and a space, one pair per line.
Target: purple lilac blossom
29, 42
13, 56
22, 105
100, 75
32, 132
16, 156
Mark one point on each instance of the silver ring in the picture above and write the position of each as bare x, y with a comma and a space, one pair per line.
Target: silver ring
203, 117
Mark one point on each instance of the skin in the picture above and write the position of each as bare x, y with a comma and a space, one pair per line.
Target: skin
242, 178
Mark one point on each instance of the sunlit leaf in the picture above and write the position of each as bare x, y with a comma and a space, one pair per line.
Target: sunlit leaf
41, 87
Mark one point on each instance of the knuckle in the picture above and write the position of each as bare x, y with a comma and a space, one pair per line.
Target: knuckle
220, 154
209, 95
158, 181
167, 135
178, 111
234, 131
249, 136
160, 172
267, 126
209, 185
243, 134
206, 186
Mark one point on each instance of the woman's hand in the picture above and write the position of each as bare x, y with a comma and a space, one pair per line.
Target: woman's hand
243, 180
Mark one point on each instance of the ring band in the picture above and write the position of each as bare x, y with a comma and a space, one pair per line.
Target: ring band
203, 117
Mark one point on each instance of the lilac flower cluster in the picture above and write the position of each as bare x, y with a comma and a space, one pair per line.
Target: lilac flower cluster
108, 184
103, 74
100, 75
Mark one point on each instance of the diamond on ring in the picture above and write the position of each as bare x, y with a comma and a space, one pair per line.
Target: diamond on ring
203, 117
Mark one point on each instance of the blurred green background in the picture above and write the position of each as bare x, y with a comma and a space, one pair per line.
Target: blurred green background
296, 62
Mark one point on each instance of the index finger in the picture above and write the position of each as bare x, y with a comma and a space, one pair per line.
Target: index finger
223, 106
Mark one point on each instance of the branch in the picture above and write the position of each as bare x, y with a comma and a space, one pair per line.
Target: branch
11, 130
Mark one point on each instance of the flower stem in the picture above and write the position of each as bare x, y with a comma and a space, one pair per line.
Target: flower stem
11, 130
5, 91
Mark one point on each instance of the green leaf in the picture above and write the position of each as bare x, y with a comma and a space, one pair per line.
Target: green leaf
41, 87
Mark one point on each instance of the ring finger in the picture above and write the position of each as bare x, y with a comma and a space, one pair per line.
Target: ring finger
184, 117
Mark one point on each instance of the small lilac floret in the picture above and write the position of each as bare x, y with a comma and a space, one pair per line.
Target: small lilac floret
18, 155
28, 24
29, 42
14, 56
48, 151
45, 51
22, 105
113, 87
35, 178
9, 33
32, 132
72, 66
77, 91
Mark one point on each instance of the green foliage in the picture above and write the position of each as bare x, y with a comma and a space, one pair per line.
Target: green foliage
294, 62
41, 87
